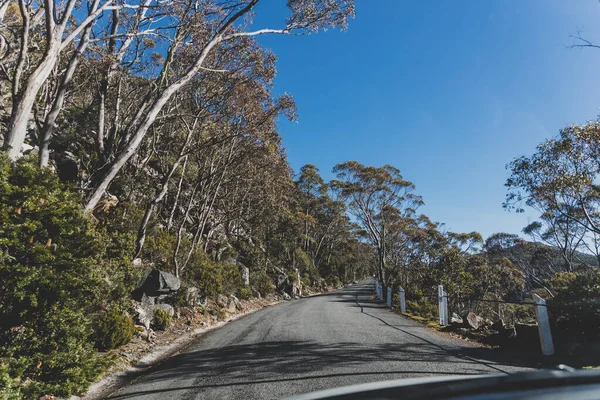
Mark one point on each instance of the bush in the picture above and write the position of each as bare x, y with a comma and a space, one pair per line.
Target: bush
51, 275
561, 281
422, 308
221, 315
212, 277
262, 282
575, 311
114, 329
162, 319
245, 293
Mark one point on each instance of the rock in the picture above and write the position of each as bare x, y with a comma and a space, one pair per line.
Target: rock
455, 319
167, 307
245, 275
156, 283
286, 296
193, 297
143, 313
256, 293
231, 305
222, 301
281, 282
126, 355
151, 335
137, 262
472, 321
237, 302
163, 299
147, 299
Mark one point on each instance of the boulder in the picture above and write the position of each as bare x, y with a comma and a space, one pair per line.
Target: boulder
472, 321
193, 297
237, 302
281, 281
163, 299
286, 296
245, 275
231, 306
147, 299
156, 283
455, 319
222, 301
167, 307
143, 313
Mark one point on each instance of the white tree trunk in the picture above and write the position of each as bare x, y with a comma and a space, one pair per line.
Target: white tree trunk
24, 104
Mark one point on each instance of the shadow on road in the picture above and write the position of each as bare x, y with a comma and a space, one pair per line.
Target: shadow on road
272, 362
293, 361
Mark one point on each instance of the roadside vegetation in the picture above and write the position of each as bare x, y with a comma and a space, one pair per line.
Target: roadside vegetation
143, 137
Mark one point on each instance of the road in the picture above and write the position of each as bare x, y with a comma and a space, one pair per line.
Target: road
336, 339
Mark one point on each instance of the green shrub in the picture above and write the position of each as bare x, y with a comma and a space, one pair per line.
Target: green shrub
262, 282
561, 281
575, 311
162, 319
9, 387
52, 277
422, 308
396, 300
245, 293
113, 329
222, 314
212, 277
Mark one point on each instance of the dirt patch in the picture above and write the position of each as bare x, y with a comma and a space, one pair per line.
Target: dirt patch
141, 353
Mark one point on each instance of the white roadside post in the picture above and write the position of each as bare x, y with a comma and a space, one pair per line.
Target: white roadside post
441, 306
541, 313
402, 300
446, 316
389, 297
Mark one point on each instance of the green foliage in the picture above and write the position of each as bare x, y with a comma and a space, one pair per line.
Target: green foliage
162, 319
113, 329
221, 315
212, 277
245, 293
422, 308
262, 283
561, 281
10, 388
575, 311
52, 277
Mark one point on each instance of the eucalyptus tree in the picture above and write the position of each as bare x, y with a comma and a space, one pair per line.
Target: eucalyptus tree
55, 27
560, 178
375, 196
215, 28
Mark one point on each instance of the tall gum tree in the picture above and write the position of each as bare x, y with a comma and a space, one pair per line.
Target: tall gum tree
375, 197
222, 25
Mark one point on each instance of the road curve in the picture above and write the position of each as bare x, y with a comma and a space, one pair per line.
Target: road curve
336, 339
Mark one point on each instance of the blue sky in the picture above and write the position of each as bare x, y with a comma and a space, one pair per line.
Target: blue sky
449, 92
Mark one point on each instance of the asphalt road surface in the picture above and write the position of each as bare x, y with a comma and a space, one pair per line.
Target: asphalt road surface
336, 339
